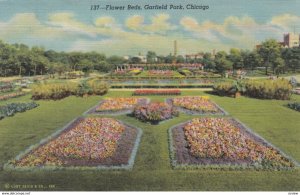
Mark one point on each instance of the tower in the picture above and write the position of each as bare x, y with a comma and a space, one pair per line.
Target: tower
175, 52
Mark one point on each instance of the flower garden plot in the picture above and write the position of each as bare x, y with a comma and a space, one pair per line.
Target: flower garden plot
196, 105
11, 95
160, 73
87, 142
222, 142
142, 92
155, 112
117, 105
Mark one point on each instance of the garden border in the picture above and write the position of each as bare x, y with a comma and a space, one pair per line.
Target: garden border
197, 113
128, 166
92, 110
228, 166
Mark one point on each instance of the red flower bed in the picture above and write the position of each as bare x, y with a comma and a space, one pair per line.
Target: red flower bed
11, 95
157, 92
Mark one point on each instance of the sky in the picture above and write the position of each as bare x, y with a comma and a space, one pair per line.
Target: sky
71, 25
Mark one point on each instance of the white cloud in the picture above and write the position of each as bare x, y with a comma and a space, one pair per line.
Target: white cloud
286, 22
159, 24
105, 34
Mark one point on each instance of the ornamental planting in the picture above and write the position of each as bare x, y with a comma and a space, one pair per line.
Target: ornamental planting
11, 95
196, 105
160, 73
87, 142
154, 112
157, 92
224, 141
119, 104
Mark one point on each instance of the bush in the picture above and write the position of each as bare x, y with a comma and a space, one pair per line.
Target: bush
57, 91
98, 87
11, 109
294, 106
154, 112
279, 89
54, 91
185, 72
224, 88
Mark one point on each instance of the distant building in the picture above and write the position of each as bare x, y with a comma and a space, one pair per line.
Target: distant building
289, 40
142, 58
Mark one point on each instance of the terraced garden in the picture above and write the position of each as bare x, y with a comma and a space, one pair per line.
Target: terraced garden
152, 168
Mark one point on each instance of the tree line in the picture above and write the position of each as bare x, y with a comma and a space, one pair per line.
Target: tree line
19, 59
269, 55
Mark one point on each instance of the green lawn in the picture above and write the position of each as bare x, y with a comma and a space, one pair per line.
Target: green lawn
152, 171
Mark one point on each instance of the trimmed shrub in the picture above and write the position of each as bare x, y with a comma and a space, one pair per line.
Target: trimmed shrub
11, 109
185, 72
97, 87
154, 112
54, 91
294, 106
224, 88
279, 89
57, 91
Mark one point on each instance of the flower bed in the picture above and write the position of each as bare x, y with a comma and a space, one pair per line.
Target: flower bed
223, 142
154, 112
11, 109
11, 95
117, 105
87, 142
6, 86
157, 92
196, 105
160, 73
294, 106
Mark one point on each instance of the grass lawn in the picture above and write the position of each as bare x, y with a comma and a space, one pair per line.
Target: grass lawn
152, 170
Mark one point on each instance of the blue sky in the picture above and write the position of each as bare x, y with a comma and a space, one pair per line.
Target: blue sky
66, 25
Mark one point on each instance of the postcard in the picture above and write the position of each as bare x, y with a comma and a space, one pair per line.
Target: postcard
127, 95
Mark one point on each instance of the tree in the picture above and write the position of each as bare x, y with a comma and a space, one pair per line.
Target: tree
74, 58
222, 63
180, 59
103, 66
291, 57
251, 59
115, 60
151, 57
135, 60
85, 65
169, 59
208, 62
236, 58
269, 52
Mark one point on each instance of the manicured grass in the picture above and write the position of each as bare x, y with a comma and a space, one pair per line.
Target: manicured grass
152, 171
